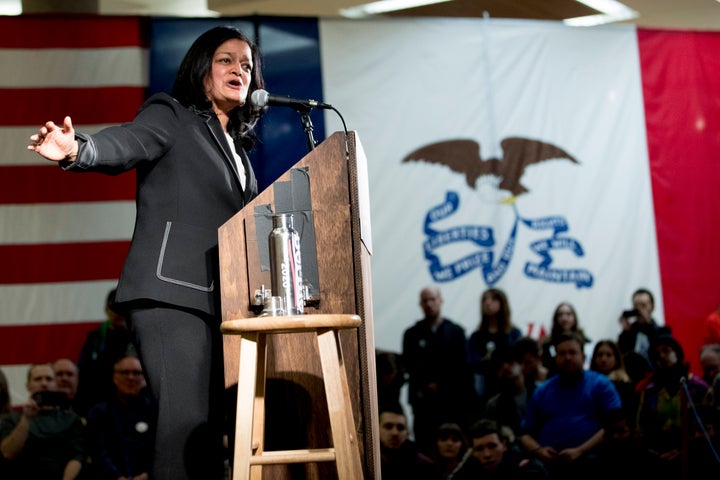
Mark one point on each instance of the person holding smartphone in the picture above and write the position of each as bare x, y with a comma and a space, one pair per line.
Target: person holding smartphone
639, 329
45, 439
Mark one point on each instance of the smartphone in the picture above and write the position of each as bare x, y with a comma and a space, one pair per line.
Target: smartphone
51, 399
631, 313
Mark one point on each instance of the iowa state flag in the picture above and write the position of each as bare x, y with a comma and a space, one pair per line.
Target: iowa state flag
558, 164
555, 163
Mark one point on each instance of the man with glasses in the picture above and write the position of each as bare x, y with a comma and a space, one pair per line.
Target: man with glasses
122, 430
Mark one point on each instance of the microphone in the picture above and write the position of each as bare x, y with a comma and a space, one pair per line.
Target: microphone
261, 99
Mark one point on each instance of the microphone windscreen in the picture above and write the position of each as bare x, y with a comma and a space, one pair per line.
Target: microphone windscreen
259, 99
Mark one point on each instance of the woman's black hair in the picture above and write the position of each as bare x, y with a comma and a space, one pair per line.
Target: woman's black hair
189, 87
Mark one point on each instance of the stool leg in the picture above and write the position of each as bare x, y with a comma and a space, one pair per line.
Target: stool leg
258, 417
347, 454
247, 379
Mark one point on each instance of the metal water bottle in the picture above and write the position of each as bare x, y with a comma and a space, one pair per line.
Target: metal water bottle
285, 264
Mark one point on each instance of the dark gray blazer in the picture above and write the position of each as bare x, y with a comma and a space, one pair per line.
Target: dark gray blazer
187, 187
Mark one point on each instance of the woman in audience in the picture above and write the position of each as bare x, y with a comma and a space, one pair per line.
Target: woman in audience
449, 449
565, 319
496, 330
607, 359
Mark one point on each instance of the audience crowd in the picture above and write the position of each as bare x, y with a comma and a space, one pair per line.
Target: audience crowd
491, 404
507, 406
86, 419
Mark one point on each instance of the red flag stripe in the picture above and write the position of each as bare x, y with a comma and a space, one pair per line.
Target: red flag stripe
35, 106
28, 344
681, 78
72, 31
50, 184
66, 262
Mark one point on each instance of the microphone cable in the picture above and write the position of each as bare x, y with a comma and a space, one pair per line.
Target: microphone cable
683, 382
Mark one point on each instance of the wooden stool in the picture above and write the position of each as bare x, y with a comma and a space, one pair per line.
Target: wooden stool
250, 416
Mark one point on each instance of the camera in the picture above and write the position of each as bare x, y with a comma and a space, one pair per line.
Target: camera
52, 399
631, 313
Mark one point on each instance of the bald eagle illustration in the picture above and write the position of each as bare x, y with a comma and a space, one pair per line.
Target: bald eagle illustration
463, 156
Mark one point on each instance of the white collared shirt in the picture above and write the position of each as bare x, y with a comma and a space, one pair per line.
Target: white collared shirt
238, 161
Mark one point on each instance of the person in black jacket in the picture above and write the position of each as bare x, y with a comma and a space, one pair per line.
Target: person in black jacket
399, 455
193, 174
121, 430
495, 455
639, 330
434, 356
102, 347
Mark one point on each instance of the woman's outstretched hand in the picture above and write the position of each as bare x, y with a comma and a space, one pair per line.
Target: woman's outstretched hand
55, 142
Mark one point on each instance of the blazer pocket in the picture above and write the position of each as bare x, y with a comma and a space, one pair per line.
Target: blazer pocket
187, 256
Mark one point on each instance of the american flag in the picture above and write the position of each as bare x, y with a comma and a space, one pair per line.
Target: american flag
64, 237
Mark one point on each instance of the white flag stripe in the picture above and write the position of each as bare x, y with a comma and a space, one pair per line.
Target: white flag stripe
56, 68
17, 378
14, 142
53, 303
67, 222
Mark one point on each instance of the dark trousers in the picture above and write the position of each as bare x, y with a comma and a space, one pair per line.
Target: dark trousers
181, 353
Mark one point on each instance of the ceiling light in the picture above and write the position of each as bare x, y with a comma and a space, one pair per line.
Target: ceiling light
611, 11
10, 7
384, 6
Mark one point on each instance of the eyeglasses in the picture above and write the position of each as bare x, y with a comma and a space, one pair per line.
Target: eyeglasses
128, 373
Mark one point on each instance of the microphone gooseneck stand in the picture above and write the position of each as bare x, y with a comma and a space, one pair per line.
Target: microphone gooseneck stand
308, 127
304, 112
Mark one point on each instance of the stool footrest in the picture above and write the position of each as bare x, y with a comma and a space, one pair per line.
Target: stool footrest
281, 457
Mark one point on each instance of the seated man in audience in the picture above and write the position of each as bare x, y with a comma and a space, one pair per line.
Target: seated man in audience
710, 362
66, 378
45, 439
399, 456
121, 431
496, 456
530, 354
566, 414
625, 456
390, 374
508, 406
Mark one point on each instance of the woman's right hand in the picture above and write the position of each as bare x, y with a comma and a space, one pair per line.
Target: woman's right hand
55, 142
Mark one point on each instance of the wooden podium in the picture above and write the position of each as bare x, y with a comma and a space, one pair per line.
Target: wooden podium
328, 191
